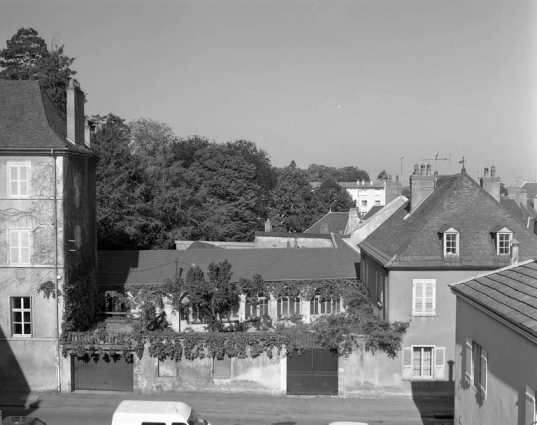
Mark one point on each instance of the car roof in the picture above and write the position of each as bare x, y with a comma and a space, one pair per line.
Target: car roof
143, 407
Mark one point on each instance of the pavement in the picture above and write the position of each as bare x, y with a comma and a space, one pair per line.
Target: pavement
431, 410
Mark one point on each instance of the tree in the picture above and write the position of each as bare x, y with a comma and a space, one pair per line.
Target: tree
332, 197
293, 206
27, 57
351, 174
125, 218
383, 175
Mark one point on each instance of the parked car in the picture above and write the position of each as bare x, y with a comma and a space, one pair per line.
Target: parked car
136, 412
347, 423
22, 420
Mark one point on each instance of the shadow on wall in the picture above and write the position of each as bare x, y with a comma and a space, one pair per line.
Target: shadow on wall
435, 399
14, 389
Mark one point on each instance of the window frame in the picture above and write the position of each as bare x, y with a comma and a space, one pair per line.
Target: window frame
296, 302
422, 311
19, 247
476, 368
502, 245
451, 248
364, 202
319, 303
437, 362
261, 307
530, 411
22, 310
18, 181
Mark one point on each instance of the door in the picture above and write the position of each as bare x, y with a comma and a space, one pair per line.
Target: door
313, 372
102, 373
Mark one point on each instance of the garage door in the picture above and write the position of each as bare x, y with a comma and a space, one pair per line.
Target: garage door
106, 373
313, 372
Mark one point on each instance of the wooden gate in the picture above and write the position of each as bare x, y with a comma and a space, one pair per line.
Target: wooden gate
313, 372
110, 374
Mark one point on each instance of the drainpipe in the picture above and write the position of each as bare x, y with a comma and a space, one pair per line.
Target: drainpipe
58, 377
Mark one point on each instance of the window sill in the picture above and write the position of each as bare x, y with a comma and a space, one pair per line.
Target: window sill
424, 315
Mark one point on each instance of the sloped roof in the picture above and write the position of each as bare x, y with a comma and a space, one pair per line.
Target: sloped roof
510, 293
512, 206
336, 221
372, 211
29, 119
202, 245
414, 240
153, 266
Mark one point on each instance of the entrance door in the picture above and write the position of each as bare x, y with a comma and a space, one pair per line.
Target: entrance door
314, 372
111, 374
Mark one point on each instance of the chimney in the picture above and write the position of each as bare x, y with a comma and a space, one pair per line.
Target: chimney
523, 197
268, 226
514, 251
75, 113
491, 184
421, 185
392, 189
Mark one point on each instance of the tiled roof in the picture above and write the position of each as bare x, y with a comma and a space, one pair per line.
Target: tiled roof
414, 240
512, 206
29, 118
138, 267
510, 293
372, 211
336, 221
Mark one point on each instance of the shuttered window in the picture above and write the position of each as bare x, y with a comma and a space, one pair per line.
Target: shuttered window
476, 367
19, 247
530, 417
424, 297
19, 180
424, 362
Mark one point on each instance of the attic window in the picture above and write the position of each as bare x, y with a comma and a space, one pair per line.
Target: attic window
451, 242
503, 237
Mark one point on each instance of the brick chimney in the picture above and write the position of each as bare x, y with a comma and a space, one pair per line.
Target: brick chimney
491, 184
422, 184
392, 189
514, 251
75, 113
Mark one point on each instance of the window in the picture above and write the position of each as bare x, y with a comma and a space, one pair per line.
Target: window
288, 306
476, 367
364, 203
530, 414
451, 244
19, 247
320, 305
259, 308
380, 284
424, 362
424, 297
19, 180
377, 203
21, 316
503, 243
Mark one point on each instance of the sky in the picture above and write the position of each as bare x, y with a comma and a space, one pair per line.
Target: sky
376, 84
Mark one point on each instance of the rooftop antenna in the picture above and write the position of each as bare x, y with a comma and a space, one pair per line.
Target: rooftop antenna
436, 159
463, 161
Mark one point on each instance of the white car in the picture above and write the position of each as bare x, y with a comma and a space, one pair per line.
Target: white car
347, 423
138, 412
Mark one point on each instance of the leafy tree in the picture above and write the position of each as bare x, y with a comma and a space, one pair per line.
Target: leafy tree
293, 206
125, 218
351, 174
332, 197
383, 175
27, 57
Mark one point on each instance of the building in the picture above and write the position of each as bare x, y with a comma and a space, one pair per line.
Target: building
47, 227
496, 347
368, 194
451, 229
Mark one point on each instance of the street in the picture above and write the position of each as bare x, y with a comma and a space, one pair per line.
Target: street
240, 409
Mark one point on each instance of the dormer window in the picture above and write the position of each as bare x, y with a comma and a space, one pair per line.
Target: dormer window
451, 242
504, 237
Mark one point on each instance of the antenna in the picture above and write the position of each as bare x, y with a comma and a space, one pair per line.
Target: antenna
463, 161
436, 159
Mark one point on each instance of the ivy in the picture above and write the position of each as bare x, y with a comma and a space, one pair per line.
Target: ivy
48, 289
81, 304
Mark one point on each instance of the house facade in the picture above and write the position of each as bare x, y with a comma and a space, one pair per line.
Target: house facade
496, 347
451, 229
47, 227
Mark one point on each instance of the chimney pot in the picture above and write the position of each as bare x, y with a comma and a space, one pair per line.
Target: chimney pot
428, 170
416, 169
493, 171
422, 170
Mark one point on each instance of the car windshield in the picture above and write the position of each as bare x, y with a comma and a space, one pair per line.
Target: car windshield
196, 419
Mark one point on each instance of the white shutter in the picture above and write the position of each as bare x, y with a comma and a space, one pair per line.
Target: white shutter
468, 369
429, 296
529, 418
440, 362
417, 299
407, 362
14, 247
25, 247
13, 181
23, 180
483, 363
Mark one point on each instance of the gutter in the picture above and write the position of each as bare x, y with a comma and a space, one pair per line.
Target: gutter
56, 277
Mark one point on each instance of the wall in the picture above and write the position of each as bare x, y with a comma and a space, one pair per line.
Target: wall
29, 362
259, 375
272, 240
512, 361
